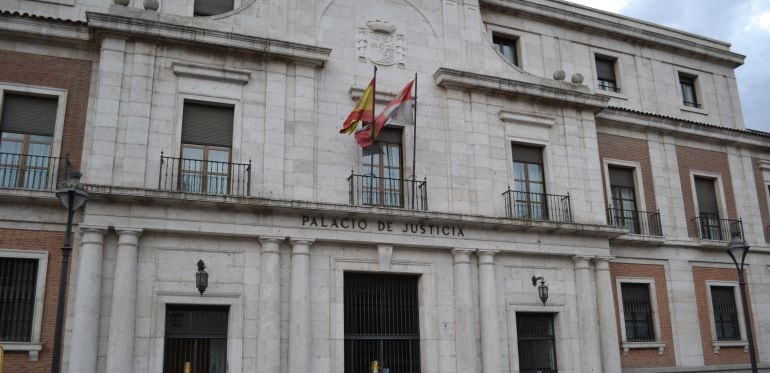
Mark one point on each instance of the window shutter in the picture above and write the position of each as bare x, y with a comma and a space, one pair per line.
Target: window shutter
605, 68
212, 7
529, 154
207, 124
31, 115
622, 177
707, 198
390, 135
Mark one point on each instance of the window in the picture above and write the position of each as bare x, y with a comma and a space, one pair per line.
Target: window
725, 313
205, 8
623, 211
637, 312
18, 284
529, 182
709, 223
26, 136
687, 84
381, 322
382, 173
605, 74
207, 135
537, 342
506, 45
198, 335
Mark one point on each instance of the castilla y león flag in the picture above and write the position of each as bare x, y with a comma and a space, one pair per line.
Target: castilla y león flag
398, 107
363, 112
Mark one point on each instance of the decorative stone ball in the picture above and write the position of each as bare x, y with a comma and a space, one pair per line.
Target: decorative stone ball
577, 78
121, 2
151, 5
559, 75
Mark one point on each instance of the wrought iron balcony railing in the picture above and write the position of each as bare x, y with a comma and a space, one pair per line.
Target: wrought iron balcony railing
711, 227
372, 190
33, 172
638, 222
207, 177
537, 206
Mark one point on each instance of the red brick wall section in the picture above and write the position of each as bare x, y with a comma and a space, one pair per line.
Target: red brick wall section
762, 194
55, 72
629, 149
726, 355
703, 160
18, 362
649, 357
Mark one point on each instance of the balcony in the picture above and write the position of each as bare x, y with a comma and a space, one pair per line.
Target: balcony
711, 227
205, 177
537, 206
638, 222
372, 190
32, 172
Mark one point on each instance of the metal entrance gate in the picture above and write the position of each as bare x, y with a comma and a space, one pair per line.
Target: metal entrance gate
381, 323
198, 335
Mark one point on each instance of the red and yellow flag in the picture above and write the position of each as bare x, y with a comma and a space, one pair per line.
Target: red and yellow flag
369, 133
363, 112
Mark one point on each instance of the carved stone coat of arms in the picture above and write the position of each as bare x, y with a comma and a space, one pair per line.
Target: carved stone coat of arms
378, 42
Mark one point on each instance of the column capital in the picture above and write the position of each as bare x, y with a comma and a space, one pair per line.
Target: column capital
300, 246
92, 234
301, 241
582, 261
602, 262
92, 229
128, 236
129, 231
486, 256
271, 243
462, 255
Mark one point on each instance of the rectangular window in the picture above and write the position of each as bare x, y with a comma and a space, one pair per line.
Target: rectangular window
18, 281
207, 136
708, 209
725, 313
529, 183
506, 45
382, 177
537, 342
637, 311
196, 334
605, 74
26, 136
687, 84
623, 212
204, 8
381, 322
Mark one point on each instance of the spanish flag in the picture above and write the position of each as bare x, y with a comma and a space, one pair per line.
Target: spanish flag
395, 109
363, 112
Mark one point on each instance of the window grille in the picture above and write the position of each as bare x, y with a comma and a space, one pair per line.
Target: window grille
637, 310
18, 277
381, 323
725, 313
537, 343
198, 335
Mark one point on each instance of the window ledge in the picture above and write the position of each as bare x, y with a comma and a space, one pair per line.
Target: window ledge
660, 345
32, 347
693, 109
618, 95
719, 344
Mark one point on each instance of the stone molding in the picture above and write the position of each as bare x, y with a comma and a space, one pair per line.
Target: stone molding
211, 73
539, 89
43, 26
158, 26
534, 119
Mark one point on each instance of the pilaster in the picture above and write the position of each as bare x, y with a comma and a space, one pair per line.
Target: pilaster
590, 355
490, 338
299, 307
465, 320
269, 327
608, 328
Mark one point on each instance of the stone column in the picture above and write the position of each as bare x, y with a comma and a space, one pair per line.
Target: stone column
490, 339
120, 345
465, 322
590, 356
608, 328
299, 307
269, 327
86, 307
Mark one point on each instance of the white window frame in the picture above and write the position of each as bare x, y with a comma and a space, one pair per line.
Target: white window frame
618, 67
235, 147
638, 182
716, 344
511, 34
659, 343
34, 346
545, 147
61, 108
718, 189
696, 78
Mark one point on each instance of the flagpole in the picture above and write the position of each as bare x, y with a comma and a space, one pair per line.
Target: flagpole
371, 124
414, 141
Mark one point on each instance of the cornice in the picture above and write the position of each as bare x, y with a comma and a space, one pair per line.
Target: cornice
553, 91
137, 23
624, 28
15, 22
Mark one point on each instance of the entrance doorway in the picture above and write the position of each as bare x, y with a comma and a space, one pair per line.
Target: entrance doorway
195, 334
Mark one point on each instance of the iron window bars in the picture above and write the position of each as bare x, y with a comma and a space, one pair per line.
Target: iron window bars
638, 222
203, 176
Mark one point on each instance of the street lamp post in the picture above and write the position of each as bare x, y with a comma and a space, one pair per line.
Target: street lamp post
739, 248
73, 197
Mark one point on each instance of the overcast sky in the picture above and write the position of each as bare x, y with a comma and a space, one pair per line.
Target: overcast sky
743, 23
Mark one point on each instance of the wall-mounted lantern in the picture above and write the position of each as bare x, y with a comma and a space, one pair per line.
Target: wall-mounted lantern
542, 289
201, 277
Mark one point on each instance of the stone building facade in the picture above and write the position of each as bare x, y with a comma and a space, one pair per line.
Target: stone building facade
606, 155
